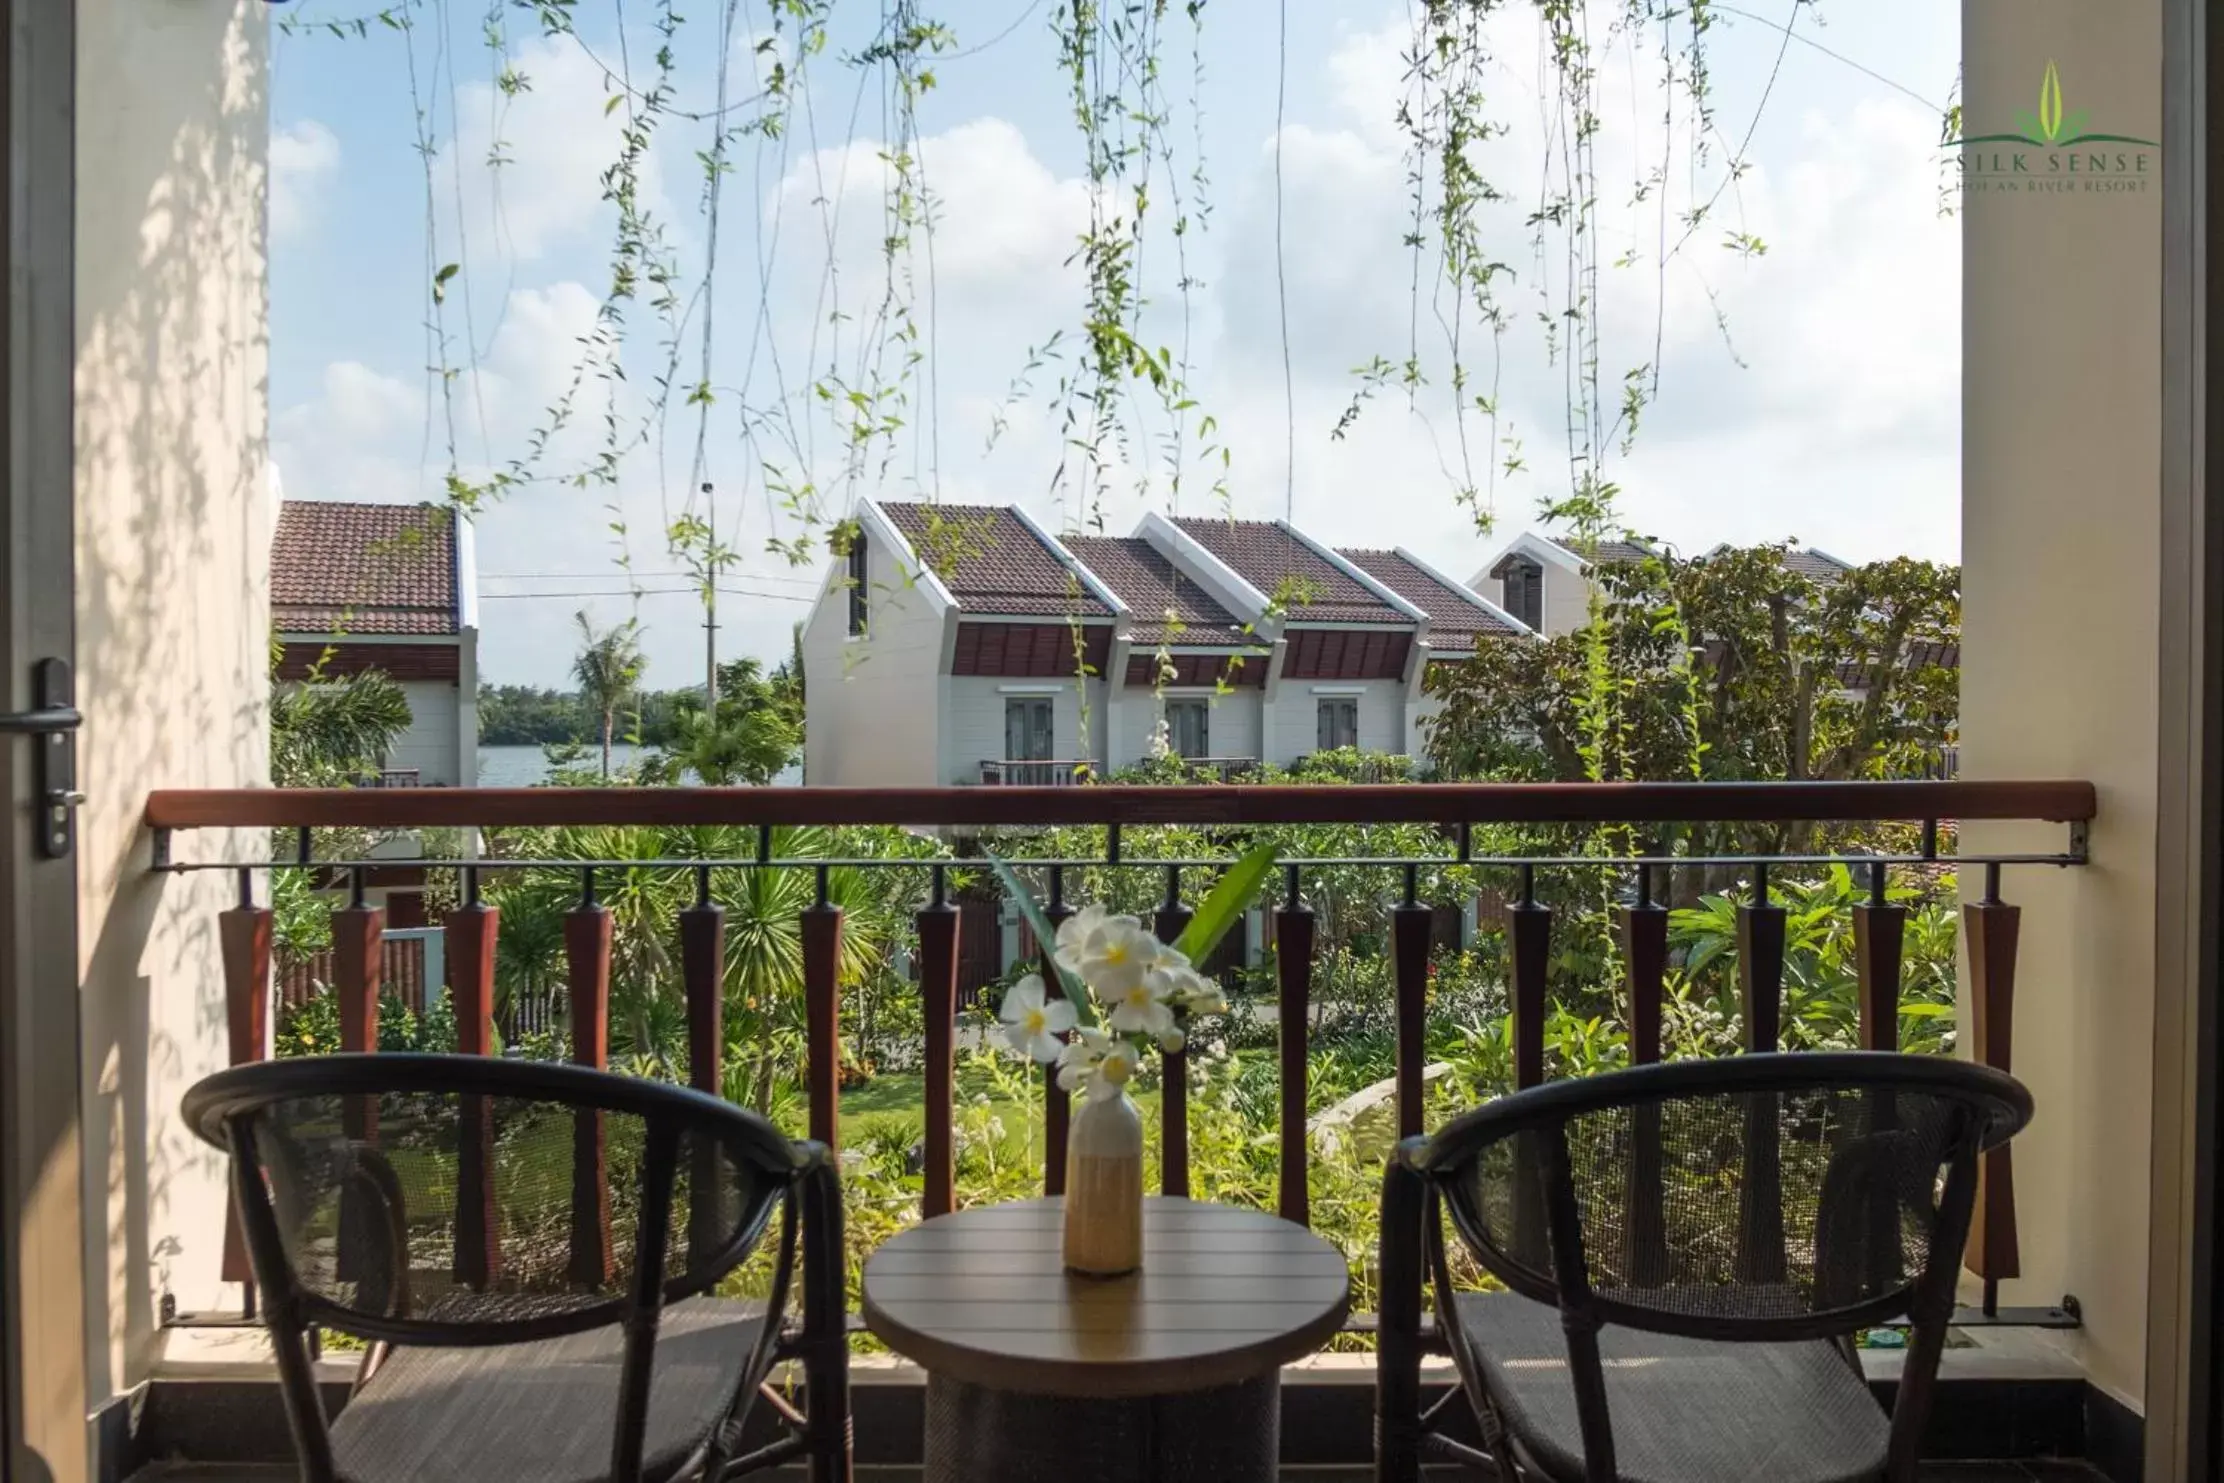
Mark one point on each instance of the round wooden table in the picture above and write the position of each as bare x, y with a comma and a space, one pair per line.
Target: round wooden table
1169, 1373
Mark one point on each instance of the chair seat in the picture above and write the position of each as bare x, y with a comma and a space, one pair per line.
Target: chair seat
544, 1410
1683, 1410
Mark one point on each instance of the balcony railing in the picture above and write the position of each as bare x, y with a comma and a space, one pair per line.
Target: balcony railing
1028, 772
1025, 773
1632, 853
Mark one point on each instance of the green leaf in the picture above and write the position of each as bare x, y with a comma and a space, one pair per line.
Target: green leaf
440, 282
1047, 937
1239, 886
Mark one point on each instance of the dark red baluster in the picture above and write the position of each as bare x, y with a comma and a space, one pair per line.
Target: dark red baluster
244, 932
1293, 961
822, 1030
471, 931
1410, 925
1645, 958
1173, 1104
1879, 933
587, 929
703, 981
1057, 1105
1529, 944
1991, 926
938, 993
1760, 935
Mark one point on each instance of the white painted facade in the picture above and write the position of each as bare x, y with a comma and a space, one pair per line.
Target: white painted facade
875, 700
1567, 588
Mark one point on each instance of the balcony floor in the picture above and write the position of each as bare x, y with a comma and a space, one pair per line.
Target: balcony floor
2030, 1471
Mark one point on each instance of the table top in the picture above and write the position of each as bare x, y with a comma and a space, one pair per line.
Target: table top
1224, 1295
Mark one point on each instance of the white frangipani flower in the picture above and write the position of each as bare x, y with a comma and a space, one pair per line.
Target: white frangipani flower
1078, 1058
1140, 1010
1033, 1021
1073, 932
1116, 957
1172, 1041
1112, 1069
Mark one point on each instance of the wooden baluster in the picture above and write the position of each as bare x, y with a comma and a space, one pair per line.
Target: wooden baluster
703, 982
1879, 933
244, 933
587, 954
1991, 926
938, 993
1529, 946
1410, 925
358, 935
1760, 937
1173, 1098
1529, 950
471, 931
1057, 1105
1645, 957
1293, 962
822, 1028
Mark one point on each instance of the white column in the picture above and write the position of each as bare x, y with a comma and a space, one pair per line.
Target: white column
2061, 550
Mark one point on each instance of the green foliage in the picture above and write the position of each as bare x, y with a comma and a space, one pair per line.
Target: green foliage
1821, 984
1731, 666
753, 734
608, 668
312, 1028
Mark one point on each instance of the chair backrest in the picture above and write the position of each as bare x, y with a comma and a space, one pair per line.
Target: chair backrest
469, 1200
1773, 1196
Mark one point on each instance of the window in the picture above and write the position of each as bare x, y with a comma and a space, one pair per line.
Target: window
1027, 729
1189, 727
856, 585
1339, 723
1521, 585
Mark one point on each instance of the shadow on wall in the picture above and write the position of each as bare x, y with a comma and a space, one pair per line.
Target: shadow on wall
173, 531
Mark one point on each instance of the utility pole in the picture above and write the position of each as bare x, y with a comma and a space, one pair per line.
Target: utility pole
710, 604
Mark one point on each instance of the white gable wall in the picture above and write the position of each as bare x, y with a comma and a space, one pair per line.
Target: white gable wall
873, 711
431, 744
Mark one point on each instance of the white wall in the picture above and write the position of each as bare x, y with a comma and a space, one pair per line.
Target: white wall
1296, 731
1233, 730
173, 542
430, 745
973, 710
1567, 600
873, 711
2060, 478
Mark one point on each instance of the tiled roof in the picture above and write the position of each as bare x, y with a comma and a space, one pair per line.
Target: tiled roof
1621, 553
1152, 587
1816, 566
991, 561
343, 567
1274, 561
1457, 617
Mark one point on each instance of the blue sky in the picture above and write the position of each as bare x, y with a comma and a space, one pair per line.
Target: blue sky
1809, 392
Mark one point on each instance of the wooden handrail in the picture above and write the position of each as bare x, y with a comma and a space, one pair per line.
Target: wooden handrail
1236, 804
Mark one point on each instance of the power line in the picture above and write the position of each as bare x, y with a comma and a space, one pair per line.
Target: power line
1835, 56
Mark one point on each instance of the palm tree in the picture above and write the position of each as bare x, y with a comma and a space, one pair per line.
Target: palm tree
608, 667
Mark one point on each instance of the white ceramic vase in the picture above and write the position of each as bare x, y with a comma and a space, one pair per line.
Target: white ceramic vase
1104, 1187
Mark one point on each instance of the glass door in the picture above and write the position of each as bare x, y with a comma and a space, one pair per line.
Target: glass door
42, 1262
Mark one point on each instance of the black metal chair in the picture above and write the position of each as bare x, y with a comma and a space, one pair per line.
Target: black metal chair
532, 1252
1688, 1251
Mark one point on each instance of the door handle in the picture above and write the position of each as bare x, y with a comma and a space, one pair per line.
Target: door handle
54, 718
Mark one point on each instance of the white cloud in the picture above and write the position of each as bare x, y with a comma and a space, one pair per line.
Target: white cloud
530, 164
302, 158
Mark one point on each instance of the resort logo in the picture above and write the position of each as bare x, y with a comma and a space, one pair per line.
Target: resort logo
2055, 151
